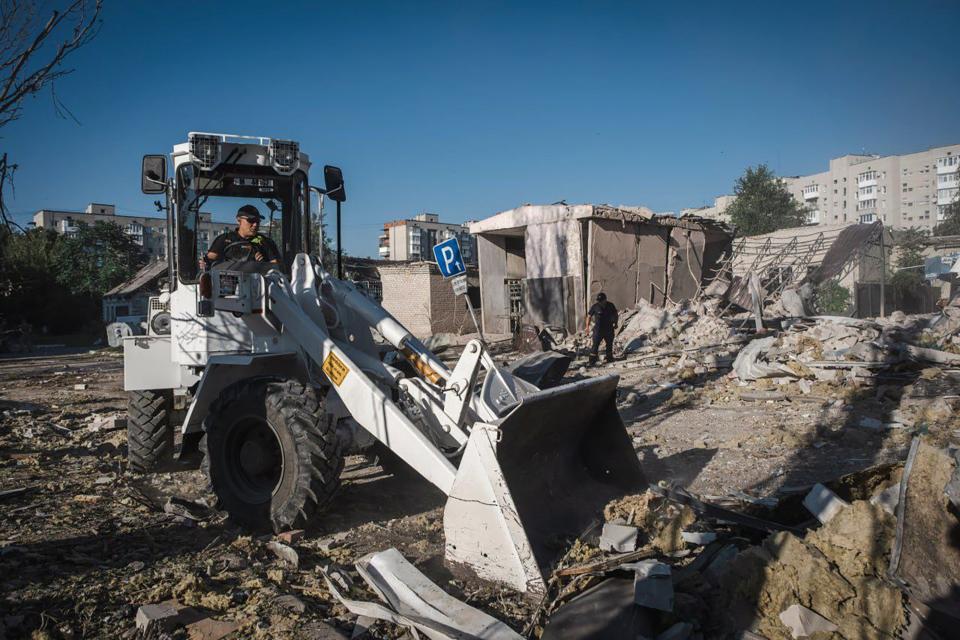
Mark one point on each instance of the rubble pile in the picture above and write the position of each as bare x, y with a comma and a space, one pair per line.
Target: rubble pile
685, 324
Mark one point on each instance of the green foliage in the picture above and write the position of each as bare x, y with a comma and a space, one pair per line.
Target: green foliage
97, 258
56, 282
909, 245
763, 204
832, 298
951, 221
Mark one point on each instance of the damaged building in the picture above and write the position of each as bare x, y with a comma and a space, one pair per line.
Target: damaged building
543, 264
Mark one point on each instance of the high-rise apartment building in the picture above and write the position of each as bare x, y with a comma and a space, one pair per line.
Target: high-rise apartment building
911, 190
414, 239
149, 233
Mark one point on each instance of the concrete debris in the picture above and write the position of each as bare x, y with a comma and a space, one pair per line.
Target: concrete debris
618, 537
211, 629
186, 509
698, 538
291, 603
285, 553
926, 558
289, 537
416, 602
751, 364
165, 616
652, 585
804, 622
823, 503
887, 499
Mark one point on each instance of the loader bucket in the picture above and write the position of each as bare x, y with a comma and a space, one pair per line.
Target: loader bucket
533, 481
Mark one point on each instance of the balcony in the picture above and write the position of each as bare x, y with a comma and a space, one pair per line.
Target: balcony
869, 193
813, 217
946, 196
948, 181
948, 164
811, 193
384, 252
868, 179
867, 218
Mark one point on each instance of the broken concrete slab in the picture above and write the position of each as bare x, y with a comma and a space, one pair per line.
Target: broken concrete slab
698, 538
291, 603
211, 629
417, 602
618, 537
804, 622
165, 616
652, 585
823, 503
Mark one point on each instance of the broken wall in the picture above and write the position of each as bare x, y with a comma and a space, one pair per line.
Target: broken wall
553, 289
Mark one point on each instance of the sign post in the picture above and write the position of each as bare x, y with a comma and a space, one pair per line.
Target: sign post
450, 262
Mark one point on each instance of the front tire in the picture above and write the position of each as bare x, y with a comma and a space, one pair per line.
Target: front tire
149, 429
271, 453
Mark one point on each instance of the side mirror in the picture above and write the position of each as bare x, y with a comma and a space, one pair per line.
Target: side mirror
333, 178
153, 174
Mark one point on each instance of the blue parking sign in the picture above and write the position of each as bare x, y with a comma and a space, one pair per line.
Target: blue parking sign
447, 254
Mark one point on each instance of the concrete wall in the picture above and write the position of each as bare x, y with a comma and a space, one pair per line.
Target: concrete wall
418, 296
406, 295
493, 269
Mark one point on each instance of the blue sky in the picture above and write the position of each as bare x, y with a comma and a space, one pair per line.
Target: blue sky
466, 109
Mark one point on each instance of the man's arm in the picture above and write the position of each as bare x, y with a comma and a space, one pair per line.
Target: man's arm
216, 248
269, 251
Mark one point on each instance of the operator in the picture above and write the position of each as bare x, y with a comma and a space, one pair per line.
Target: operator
604, 316
245, 242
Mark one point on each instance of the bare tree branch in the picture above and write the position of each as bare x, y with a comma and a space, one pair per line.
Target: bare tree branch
32, 53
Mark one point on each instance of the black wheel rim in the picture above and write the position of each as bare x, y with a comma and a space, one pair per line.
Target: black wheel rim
254, 460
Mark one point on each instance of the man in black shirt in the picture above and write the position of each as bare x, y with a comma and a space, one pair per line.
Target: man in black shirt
245, 242
604, 316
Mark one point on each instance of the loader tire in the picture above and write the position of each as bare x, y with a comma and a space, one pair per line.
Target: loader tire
149, 431
271, 453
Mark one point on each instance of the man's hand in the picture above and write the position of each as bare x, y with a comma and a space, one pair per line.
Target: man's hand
259, 257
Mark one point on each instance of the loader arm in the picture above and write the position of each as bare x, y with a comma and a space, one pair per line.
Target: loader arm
523, 470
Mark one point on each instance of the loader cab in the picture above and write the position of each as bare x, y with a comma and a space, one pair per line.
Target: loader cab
212, 176
216, 174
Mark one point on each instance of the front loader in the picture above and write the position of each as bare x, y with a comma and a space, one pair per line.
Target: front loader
275, 372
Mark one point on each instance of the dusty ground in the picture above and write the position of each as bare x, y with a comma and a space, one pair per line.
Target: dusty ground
88, 543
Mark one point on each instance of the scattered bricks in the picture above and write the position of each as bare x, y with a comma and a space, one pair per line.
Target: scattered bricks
107, 423
618, 537
289, 537
823, 503
652, 585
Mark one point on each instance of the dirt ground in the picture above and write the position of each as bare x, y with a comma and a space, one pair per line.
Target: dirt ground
87, 543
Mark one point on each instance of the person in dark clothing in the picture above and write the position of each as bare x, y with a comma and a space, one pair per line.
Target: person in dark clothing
245, 242
604, 317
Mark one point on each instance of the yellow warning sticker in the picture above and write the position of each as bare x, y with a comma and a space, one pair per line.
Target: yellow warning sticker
335, 369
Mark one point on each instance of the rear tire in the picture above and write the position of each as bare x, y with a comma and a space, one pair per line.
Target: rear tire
271, 453
149, 431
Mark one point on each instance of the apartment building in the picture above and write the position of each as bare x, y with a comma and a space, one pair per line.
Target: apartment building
148, 232
414, 239
910, 190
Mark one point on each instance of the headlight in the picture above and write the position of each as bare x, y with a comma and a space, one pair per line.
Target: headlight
284, 155
205, 150
160, 323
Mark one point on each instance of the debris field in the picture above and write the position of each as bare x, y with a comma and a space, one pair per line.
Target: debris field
775, 461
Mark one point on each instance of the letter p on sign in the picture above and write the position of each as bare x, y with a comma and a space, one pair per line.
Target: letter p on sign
447, 255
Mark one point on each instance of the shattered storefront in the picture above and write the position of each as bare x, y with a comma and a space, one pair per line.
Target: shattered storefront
543, 264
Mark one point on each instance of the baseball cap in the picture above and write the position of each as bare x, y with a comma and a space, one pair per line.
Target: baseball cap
249, 212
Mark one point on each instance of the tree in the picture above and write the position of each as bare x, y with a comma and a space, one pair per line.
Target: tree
33, 49
950, 226
99, 257
763, 203
908, 266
